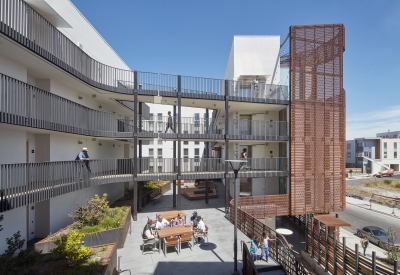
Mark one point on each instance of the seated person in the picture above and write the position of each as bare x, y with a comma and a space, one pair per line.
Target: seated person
148, 235
179, 221
161, 223
193, 219
201, 227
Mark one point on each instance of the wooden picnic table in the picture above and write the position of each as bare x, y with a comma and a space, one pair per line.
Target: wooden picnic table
173, 232
168, 215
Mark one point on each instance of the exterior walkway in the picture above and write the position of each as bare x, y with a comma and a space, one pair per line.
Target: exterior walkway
216, 258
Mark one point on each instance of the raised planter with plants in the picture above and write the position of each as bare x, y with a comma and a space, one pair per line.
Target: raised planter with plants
99, 223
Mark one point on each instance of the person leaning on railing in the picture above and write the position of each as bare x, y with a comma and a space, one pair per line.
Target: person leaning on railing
82, 158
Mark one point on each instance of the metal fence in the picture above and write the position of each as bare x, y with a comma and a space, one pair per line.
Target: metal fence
332, 255
24, 25
280, 250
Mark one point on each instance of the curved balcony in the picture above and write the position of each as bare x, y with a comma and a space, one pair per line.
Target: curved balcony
20, 23
26, 183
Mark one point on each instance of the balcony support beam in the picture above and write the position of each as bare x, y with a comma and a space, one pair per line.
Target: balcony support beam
174, 156
135, 147
207, 153
140, 153
226, 146
179, 140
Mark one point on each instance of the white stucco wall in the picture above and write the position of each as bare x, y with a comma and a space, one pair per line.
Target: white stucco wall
12, 146
14, 220
84, 33
254, 55
12, 69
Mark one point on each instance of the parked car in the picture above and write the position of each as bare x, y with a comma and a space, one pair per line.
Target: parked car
375, 235
384, 173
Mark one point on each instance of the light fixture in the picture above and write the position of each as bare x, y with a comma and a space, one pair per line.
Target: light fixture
100, 106
80, 98
79, 142
93, 139
113, 145
93, 96
100, 144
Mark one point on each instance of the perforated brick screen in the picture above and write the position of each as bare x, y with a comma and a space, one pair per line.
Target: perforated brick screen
317, 114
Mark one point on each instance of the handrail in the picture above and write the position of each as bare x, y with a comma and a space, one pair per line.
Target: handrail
21, 23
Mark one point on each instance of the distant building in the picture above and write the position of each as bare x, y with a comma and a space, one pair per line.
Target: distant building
383, 149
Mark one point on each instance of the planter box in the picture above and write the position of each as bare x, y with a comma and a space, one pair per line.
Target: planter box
111, 265
117, 235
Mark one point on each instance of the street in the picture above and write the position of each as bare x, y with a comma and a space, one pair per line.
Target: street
357, 216
363, 180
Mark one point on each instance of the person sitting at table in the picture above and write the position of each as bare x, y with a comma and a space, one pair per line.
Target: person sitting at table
201, 227
161, 223
179, 221
148, 235
193, 219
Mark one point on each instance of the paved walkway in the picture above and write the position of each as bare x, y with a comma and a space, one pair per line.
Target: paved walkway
216, 258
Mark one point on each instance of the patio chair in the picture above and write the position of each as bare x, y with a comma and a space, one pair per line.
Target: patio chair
146, 243
187, 238
203, 234
174, 241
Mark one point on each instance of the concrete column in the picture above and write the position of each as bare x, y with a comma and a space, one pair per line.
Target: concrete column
226, 145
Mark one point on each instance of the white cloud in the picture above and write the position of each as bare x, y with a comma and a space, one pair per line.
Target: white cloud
367, 124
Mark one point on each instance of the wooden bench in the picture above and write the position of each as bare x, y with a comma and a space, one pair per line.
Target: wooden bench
203, 191
155, 195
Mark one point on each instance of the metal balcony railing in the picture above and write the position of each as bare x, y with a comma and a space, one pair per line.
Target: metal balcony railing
26, 183
25, 105
189, 125
21, 23
258, 129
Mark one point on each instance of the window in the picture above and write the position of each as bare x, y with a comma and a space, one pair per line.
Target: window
151, 117
385, 155
196, 120
348, 154
385, 145
186, 143
159, 142
151, 152
186, 155
348, 146
151, 142
159, 117
395, 145
159, 169
196, 155
151, 123
159, 153
197, 142
151, 169
395, 155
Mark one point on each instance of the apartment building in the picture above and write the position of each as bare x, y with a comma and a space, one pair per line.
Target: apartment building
382, 149
63, 88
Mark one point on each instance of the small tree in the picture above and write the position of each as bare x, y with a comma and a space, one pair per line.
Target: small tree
351, 172
391, 251
368, 170
69, 246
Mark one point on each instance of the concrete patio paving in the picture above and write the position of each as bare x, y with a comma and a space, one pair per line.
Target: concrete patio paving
214, 258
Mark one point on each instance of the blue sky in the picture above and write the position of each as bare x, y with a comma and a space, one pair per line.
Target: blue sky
194, 38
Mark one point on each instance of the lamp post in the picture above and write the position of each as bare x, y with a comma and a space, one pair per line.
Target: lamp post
236, 164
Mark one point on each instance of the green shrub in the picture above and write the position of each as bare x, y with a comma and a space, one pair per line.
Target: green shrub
15, 258
387, 182
397, 185
70, 247
92, 213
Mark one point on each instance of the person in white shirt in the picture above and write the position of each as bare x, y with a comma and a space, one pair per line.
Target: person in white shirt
255, 84
161, 223
201, 227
